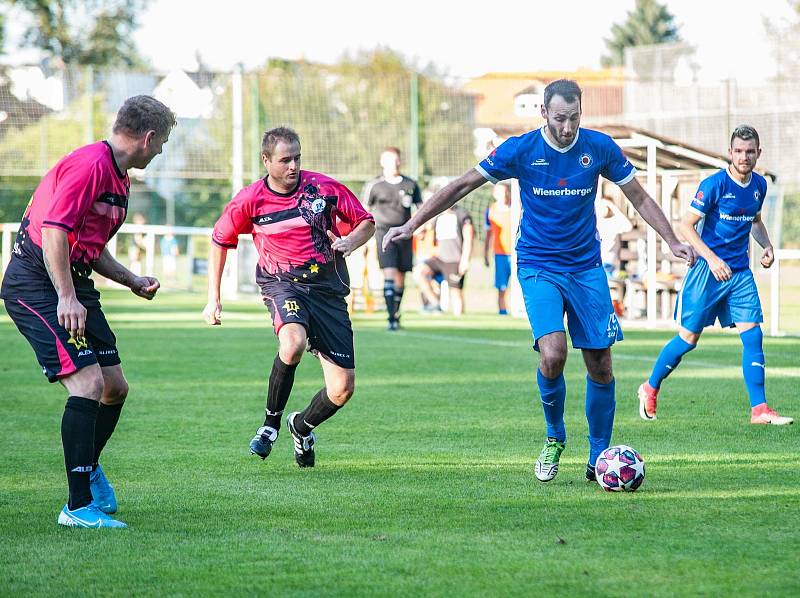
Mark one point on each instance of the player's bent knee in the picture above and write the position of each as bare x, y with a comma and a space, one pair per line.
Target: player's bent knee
340, 391
688, 336
115, 393
340, 396
87, 383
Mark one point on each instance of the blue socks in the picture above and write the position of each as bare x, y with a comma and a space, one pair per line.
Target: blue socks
553, 391
600, 407
668, 360
754, 365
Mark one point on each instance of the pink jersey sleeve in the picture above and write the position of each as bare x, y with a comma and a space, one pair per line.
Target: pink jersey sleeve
77, 187
348, 208
235, 221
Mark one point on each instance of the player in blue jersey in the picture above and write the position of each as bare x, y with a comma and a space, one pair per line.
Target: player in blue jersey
558, 255
723, 214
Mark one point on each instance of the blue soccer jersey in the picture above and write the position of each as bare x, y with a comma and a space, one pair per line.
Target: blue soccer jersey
558, 227
728, 209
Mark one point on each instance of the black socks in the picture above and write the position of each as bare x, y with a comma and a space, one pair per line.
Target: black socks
320, 409
77, 437
107, 418
281, 380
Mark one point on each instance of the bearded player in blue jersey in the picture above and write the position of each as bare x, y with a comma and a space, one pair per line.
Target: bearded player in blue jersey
558, 255
724, 213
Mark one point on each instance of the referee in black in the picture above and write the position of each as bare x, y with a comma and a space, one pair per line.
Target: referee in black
390, 197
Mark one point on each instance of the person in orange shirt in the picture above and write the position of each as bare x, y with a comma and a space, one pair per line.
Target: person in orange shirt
498, 240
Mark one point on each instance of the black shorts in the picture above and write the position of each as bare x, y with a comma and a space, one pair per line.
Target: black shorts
59, 354
399, 254
448, 270
324, 317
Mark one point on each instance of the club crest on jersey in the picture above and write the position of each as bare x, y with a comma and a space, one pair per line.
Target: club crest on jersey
756, 194
318, 205
585, 160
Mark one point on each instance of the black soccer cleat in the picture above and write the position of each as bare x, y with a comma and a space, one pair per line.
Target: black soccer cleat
262, 442
303, 445
591, 476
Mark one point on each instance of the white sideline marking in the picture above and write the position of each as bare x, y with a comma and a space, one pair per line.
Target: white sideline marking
774, 371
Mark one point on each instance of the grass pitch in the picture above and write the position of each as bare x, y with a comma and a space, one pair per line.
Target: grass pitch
424, 482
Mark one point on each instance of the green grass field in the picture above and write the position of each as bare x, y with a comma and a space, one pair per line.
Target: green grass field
424, 483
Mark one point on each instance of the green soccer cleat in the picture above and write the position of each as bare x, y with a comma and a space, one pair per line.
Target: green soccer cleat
547, 464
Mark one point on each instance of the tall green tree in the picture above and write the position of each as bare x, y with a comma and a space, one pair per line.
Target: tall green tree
648, 23
83, 32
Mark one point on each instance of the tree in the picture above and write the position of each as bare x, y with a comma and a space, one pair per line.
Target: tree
2, 33
83, 32
648, 23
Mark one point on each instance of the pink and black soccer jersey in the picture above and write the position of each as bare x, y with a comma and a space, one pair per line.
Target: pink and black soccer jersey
85, 195
290, 230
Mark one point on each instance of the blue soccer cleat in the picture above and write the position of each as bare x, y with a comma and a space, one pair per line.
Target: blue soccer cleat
102, 491
88, 516
262, 442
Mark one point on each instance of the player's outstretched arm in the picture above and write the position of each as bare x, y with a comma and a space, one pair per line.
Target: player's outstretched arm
653, 215
55, 248
143, 286
438, 203
760, 234
212, 313
358, 236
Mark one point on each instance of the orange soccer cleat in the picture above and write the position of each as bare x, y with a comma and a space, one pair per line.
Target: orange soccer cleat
762, 414
648, 397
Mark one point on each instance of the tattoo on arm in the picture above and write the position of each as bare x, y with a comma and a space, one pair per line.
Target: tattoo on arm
49, 269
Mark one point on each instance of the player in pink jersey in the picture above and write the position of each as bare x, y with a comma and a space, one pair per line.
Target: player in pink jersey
77, 207
303, 224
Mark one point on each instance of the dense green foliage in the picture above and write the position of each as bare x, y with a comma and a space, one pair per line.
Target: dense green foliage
648, 23
83, 32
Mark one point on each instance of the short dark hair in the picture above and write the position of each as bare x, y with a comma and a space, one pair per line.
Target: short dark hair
140, 114
567, 89
391, 149
747, 133
273, 136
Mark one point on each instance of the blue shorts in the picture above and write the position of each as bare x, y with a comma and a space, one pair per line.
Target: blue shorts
704, 299
582, 296
502, 271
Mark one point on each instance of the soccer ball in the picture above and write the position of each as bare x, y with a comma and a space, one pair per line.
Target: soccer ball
619, 468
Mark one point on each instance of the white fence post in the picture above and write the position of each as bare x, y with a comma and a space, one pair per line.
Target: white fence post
652, 249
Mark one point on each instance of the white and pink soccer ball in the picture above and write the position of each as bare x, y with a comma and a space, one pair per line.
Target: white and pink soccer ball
619, 469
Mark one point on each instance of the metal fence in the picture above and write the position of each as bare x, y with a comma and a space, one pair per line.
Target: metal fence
347, 115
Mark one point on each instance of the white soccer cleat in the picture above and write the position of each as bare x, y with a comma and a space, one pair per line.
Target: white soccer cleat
762, 414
